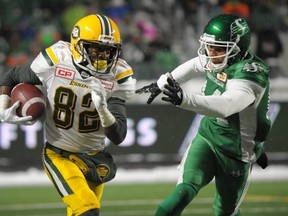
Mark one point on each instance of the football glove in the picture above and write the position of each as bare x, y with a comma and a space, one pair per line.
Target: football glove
152, 88
98, 95
173, 91
99, 101
263, 160
9, 115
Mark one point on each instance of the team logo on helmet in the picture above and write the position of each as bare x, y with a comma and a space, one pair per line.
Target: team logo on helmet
238, 28
75, 32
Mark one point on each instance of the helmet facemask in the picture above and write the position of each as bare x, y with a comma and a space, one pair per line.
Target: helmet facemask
95, 44
97, 57
206, 41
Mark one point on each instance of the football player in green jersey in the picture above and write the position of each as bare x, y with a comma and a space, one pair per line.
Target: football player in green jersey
234, 103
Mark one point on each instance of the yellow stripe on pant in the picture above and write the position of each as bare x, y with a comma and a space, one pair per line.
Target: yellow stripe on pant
76, 192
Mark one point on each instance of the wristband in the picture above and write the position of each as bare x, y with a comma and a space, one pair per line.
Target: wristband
162, 81
4, 102
106, 118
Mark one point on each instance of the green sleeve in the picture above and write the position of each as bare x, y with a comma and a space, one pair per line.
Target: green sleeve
19, 74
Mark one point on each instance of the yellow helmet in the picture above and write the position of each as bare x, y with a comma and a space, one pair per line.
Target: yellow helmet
96, 44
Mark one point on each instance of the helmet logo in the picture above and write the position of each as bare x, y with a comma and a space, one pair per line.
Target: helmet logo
75, 32
238, 27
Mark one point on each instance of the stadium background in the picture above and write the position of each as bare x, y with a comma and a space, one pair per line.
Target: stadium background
157, 35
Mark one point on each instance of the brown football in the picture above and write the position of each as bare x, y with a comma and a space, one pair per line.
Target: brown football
32, 100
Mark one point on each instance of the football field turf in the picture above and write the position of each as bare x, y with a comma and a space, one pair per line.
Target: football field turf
263, 198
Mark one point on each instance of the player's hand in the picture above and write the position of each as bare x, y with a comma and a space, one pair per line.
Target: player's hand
263, 160
98, 87
99, 101
152, 88
98, 95
173, 91
9, 115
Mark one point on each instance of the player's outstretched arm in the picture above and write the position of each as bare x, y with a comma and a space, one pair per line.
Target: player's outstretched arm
152, 88
173, 92
155, 88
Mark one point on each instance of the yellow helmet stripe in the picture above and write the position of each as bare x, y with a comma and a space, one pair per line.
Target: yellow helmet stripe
106, 27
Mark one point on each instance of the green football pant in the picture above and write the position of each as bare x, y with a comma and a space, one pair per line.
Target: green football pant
200, 164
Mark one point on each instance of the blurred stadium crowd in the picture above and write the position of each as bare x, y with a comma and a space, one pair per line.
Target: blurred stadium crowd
157, 34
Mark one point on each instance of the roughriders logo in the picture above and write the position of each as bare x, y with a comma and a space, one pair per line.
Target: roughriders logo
75, 32
253, 67
238, 28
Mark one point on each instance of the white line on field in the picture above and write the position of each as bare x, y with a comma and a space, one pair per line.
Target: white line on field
196, 211
139, 202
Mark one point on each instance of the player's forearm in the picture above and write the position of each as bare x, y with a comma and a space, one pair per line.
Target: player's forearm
220, 106
5, 90
182, 73
239, 95
187, 70
4, 97
116, 132
19, 74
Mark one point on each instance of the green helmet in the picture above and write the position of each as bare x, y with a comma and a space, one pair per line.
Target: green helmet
228, 31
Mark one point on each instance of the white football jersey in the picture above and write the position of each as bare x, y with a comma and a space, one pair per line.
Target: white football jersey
72, 122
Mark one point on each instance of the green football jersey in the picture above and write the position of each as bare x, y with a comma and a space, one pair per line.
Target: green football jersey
241, 134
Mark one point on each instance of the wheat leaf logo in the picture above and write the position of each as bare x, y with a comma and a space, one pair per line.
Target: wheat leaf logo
238, 28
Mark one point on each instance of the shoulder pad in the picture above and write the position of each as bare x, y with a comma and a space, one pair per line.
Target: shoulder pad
125, 90
123, 71
253, 70
57, 52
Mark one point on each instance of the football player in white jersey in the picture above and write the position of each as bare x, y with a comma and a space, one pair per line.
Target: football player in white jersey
87, 84
234, 103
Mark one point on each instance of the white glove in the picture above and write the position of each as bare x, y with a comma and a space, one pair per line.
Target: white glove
98, 97
98, 87
99, 101
9, 114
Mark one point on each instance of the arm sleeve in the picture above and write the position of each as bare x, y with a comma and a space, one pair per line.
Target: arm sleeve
18, 74
119, 130
182, 73
238, 95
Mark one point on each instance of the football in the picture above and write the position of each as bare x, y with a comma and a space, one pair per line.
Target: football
32, 100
